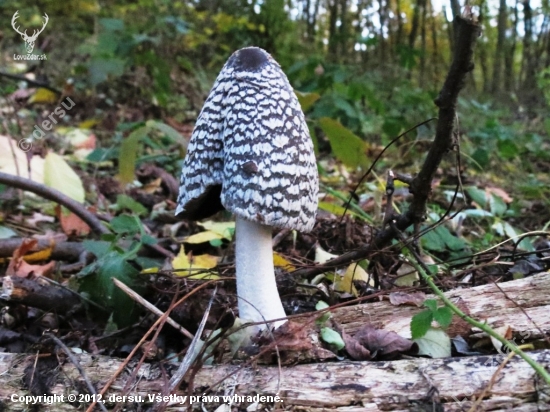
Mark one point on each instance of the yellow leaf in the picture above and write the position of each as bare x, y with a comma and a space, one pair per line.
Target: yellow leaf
185, 266
353, 272
59, 175
224, 229
407, 276
88, 124
281, 262
202, 237
43, 96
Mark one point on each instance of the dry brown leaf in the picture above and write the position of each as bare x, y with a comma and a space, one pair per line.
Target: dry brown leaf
71, 224
354, 349
497, 191
383, 343
18, 266
404, 298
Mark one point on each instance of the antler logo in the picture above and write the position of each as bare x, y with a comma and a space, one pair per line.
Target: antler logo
29, 40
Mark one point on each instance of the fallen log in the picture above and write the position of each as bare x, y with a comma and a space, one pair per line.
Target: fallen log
410, 384
404, 385
522, 304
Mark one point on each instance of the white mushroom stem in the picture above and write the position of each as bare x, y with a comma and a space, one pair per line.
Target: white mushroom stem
256, 288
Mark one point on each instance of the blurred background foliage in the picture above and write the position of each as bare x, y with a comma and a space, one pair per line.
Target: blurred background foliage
364, 70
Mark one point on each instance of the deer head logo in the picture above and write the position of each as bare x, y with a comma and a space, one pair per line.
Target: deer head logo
29, 40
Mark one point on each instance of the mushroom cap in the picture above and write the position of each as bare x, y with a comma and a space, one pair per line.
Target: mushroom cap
250, 150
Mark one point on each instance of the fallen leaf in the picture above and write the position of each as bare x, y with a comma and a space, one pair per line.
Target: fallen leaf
411, 299
435, 343
71, 224
188, 265
322, 256
202, 237
354, 348
43, 95
224, 229
407, 276
353, 273
14, 161
18, 266
39, 217
383, 343
280, 262
500, 193
59, 175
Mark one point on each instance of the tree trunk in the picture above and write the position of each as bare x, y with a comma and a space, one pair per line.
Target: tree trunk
499, 52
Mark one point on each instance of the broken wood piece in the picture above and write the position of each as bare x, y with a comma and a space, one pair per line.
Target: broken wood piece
40, 294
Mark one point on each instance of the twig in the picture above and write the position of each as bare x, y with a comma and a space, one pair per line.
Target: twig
158, 322
191, 351
30, 82
77, 365
132, 294
55, 195
467, 32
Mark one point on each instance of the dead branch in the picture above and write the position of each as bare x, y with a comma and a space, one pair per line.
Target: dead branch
467, 32
40, 294
56, 196
69, 251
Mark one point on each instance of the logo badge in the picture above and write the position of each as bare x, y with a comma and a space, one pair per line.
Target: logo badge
29, 40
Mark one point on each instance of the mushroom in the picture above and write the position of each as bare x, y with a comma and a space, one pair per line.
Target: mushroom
251, 153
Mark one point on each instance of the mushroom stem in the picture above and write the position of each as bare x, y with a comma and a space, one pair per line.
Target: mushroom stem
259, 299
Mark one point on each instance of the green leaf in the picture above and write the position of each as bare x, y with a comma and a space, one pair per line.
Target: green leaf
507, 149
126, 224
420, 323
478, 195
497, 205
325, 316
346, 146
440, 239
169, 131
332, 337
307, 99
431, 304
126, 202
97, 247
128, 154
443, 316
481, 158
101, 288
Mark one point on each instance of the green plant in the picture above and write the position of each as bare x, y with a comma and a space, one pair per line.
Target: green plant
422, 321
117, 257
